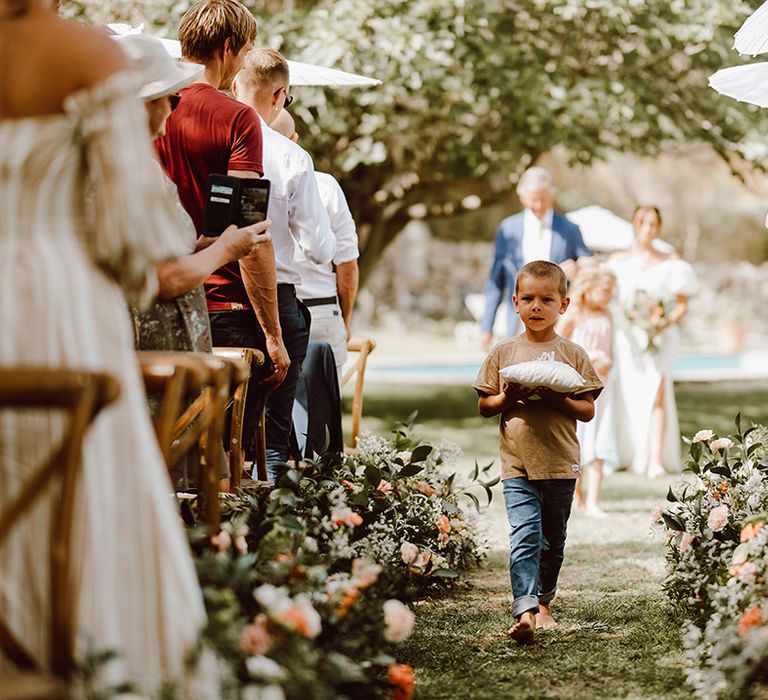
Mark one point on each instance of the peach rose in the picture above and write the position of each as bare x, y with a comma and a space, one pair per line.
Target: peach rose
302, 618
348, 599
656, 513
747, 571
443, 524
749, 619
426, 489
720, 444
718, 518
346, 516
401, 676
398, 620
749, 531
255, 639
405, 455
385, 487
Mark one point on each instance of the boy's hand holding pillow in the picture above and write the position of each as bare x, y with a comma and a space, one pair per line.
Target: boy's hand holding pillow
550, 374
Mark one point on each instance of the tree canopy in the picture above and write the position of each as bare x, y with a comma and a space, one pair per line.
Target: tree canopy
474, 91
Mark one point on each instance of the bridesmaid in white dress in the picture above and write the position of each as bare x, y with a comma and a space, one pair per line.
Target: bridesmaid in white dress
653, 293
68, 114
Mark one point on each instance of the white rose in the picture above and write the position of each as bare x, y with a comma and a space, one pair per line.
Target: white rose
703, 435
398, 620
720, 443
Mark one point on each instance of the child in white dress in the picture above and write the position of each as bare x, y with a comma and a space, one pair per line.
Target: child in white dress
589, 324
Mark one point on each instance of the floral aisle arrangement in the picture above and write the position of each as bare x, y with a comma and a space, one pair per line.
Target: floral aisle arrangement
717, 555
308, 585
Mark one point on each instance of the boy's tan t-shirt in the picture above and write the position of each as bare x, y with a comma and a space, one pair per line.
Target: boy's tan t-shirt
537, 441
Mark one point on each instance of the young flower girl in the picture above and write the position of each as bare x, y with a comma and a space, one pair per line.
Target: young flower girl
588, 323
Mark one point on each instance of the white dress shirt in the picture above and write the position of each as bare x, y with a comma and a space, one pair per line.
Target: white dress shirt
537, 236
319, 281
299, 219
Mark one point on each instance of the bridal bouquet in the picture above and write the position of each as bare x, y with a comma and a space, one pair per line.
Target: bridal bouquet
650, 315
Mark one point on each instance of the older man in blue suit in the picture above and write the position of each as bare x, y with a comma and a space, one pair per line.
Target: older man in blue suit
536, 233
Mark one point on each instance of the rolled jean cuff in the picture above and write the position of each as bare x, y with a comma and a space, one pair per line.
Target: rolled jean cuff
525, 603
547, 597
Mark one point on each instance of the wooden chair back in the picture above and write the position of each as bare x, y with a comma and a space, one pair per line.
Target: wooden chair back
80, 396
364, 346
178, 377
247, 360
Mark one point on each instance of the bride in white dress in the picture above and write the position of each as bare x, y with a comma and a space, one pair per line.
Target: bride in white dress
68, 113
653, 291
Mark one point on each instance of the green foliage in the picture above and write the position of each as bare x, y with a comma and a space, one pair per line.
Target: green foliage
474, 91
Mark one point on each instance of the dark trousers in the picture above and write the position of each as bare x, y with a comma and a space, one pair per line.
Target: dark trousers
241, 329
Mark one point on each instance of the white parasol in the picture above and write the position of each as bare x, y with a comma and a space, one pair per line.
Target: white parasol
604, 231
747, 83
304, 74
752, 38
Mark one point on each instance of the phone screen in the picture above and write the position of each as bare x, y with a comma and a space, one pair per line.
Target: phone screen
253, 204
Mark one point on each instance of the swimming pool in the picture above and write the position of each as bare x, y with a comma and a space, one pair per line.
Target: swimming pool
687, 368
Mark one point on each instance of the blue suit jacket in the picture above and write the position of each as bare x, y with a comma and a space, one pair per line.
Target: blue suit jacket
567, 244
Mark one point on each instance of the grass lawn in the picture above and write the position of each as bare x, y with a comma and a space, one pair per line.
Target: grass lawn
615, 638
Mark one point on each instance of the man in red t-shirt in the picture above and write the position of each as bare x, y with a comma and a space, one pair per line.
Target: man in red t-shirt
210, 132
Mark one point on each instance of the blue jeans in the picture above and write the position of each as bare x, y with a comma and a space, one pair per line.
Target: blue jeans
241, 329
538, 513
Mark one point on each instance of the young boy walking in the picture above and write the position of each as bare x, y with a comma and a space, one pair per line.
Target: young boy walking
538, 446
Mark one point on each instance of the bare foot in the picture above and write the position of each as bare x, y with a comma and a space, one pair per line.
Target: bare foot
596, 512
544, 619
522, 631
656, 471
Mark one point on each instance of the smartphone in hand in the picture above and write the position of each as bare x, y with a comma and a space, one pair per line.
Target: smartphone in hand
234, 200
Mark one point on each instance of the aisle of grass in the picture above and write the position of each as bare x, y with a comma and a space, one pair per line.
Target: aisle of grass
616, 638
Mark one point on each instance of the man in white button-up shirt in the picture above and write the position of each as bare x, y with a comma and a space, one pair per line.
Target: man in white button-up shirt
329, 290
299, 223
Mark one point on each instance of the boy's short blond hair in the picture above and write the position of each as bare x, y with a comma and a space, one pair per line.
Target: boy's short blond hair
263, 67
543, 269
209, 23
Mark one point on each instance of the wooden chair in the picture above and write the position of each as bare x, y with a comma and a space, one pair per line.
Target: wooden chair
248, 359
80, 395
181, 375
364, 346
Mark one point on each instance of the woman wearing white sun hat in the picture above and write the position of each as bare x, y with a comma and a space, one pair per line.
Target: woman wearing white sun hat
179, 319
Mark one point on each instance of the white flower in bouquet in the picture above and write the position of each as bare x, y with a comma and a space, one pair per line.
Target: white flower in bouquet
650, 315
398, 620
703, 435
718, 518
265, 669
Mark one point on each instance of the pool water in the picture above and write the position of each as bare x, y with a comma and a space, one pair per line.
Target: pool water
686, 368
